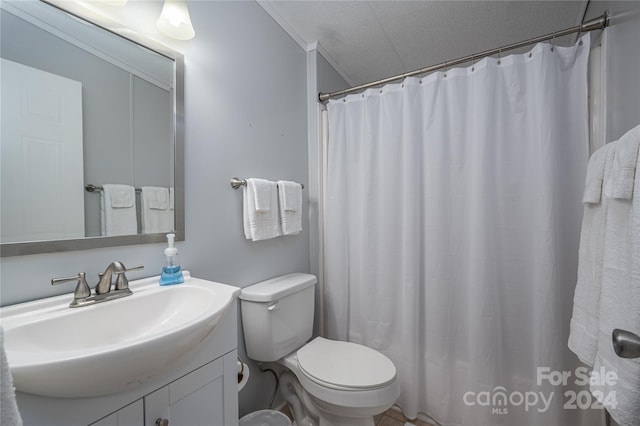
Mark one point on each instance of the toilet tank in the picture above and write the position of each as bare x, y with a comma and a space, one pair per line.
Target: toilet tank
277, 315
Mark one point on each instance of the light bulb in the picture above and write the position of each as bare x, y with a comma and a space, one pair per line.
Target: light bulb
175, 21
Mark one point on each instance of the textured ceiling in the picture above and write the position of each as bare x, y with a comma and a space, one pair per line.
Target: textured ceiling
370, 40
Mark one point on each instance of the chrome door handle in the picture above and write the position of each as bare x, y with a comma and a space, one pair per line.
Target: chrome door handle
162, 422
626, 344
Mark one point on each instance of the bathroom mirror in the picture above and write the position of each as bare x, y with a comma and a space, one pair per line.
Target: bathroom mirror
124, 94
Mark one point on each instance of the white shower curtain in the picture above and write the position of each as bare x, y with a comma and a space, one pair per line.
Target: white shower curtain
453, 210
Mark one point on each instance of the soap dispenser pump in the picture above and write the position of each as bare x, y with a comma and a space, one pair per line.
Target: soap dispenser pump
172, 271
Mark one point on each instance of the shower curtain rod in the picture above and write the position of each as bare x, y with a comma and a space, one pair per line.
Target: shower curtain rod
592, 25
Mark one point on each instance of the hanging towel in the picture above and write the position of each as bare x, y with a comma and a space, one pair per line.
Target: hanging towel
157, 215
9, 414
583, 335
290, 195
595, 175
624, 165
263, 224
118, 210
261, 189
171, 198
156, 197
290, 206
620, 295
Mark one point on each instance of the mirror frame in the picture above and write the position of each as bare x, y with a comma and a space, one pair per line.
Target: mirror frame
77, 11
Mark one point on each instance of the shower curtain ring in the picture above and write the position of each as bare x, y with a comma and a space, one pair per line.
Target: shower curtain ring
420, 75
499, 56
553, 37
446, 68
473, 60
580, 35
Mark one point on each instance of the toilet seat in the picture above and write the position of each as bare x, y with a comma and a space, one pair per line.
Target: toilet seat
345, 365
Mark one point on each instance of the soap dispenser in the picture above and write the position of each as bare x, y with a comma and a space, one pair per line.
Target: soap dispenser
172, 271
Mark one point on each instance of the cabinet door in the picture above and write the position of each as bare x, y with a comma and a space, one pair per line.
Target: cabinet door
207, 396
131, 415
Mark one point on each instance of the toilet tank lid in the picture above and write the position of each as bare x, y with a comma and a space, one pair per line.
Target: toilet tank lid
278, 287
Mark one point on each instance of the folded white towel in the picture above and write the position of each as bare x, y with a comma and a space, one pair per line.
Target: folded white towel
290, 206
121, 196
260, 225
156, 197
595, 174
156, 215
261, 190
583, 335
624, 165
118, 210
620, 304
290, 194
9, 413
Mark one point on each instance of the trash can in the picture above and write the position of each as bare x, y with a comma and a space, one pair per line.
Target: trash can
265, 418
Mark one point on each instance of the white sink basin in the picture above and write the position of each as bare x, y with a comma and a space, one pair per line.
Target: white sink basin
63, 352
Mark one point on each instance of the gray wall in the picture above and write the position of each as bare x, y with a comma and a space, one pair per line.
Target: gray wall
623, 64
321, 77
329, 80
245, 116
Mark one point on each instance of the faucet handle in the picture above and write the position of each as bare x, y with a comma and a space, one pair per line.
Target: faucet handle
82, 288
122, 281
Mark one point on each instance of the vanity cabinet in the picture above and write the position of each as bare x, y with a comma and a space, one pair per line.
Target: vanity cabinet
199, 398
201, 389
132, 414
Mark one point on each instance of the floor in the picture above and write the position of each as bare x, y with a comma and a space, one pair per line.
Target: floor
390, 417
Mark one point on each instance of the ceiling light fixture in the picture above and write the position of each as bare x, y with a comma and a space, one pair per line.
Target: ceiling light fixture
114, 2
174, 20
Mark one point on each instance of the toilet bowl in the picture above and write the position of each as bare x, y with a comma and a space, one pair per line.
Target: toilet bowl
340, 383
348, 383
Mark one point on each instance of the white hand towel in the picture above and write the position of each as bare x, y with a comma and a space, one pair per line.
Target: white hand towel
9, 413
624, 165
259, 225
595, 175
157, 216
620, 304
121, 196
290, 206
118, 210
261, 190
583, 335
290, 194
171, 198
156, 197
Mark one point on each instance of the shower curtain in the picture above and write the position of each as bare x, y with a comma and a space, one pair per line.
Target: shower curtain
453, 210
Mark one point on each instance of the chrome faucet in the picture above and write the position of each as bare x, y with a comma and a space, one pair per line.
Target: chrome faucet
104, 282
82, 294
82, 291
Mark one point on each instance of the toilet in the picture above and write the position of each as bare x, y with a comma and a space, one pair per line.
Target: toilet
328, 382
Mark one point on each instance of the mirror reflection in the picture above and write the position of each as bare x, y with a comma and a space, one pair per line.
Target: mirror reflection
87, 145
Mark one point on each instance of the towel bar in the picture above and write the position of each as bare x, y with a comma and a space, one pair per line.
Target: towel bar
93, 188
237, 183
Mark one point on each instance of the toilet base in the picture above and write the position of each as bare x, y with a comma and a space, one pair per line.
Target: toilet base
328, 419
309, 411
336, 407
